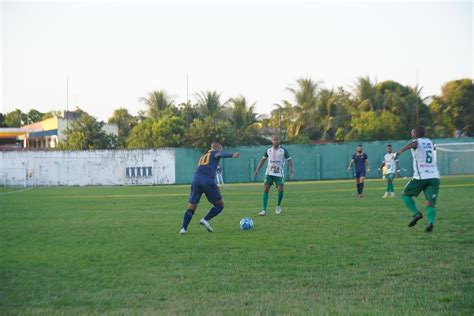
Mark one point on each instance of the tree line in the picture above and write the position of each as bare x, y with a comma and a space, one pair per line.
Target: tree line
368, 111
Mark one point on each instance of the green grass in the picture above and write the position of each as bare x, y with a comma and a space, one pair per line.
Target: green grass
116, 250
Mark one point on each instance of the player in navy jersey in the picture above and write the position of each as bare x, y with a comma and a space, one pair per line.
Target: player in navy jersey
204, 182
362, 168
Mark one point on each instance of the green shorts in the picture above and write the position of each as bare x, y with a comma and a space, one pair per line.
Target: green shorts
390, 176
269, 180
430, 188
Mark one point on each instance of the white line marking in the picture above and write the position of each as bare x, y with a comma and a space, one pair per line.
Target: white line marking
18, 191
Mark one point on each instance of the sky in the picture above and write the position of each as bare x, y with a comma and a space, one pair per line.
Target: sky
115, 52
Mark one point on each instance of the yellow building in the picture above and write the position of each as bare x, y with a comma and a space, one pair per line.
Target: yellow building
45, 134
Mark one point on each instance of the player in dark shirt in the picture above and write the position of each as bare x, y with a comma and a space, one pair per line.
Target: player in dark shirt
204, 182
361, 163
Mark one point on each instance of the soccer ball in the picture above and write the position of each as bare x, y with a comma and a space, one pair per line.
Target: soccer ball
246, 223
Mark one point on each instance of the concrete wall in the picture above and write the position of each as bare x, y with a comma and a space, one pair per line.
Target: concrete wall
101, 167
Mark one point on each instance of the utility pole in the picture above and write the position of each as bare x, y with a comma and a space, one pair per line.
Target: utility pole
417, 106
67, 111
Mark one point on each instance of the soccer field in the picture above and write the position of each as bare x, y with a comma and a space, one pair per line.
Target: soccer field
117, 250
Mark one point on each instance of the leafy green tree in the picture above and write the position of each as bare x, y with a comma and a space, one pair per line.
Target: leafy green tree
87, 133
370, 126
125, 122
16, 118
51, 114
34, 116
2, 120
202, 133
167, 131
453, 111
158, 103
189, 112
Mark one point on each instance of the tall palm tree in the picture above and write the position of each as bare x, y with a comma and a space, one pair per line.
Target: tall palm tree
209, 104
331, 112
157, 102
304, 95
365, 94
244, 120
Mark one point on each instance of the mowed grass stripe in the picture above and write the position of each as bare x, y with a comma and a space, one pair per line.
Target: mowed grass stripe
107, 196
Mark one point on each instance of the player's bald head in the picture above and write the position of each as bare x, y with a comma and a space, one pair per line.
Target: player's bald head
216, 146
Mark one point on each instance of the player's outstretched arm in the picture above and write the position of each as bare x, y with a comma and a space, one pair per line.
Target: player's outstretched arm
367, 165
406, 147
227, 155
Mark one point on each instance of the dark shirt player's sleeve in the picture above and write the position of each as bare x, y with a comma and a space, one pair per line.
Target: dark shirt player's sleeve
223, 155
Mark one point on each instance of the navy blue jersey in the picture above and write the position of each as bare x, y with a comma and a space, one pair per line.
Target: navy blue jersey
207, 166
359, 162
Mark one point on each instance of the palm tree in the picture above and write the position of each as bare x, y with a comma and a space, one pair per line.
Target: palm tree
244, 120
365, 94
332, 113
157, 102
209, 104
305, 105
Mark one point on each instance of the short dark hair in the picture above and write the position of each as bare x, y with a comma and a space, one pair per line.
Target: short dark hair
419, 131
359, 145
389, 145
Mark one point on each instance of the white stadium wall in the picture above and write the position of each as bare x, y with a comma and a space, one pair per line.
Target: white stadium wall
83, 168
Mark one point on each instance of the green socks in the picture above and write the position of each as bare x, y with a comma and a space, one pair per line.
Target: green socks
265, 200
410, 204
390, 187
431, 214
280, 197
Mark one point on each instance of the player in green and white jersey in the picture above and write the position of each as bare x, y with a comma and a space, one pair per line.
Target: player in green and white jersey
391, 170
276, 156
425, 177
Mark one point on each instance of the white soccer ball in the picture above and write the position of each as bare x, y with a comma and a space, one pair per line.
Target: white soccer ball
246, 223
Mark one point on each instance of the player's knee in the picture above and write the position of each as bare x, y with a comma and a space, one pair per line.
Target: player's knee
219, 204
192, 207
429, 203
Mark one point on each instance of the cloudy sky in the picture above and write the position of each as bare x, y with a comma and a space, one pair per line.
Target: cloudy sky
115, 52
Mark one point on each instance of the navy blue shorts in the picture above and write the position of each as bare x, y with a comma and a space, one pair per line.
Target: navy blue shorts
211, 190
360, 173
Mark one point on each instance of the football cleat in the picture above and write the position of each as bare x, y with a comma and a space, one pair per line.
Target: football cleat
206, 224
182, 231
262, 213
278, 209
393, 194
386, 195
429, 228
415, 219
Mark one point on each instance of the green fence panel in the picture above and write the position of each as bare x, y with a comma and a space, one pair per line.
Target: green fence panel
325, 161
